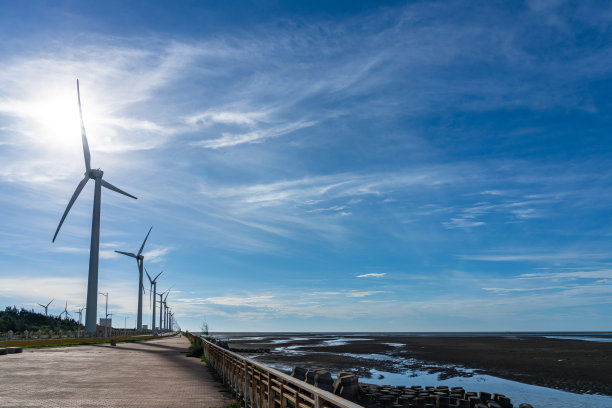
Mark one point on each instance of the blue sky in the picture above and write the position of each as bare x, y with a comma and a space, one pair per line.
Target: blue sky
357, 166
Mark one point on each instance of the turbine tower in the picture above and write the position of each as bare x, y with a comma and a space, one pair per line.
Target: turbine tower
140, 261
161, 301
94, 250
153, 283
46, 307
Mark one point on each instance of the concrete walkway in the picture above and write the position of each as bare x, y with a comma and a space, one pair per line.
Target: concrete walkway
149, 374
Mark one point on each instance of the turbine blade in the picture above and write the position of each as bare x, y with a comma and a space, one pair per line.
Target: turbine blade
126, 253
83, 135
50, 302
70, 203
111, 187
148, 276
158, 276
145, 240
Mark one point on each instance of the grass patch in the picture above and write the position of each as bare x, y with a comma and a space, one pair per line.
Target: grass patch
41, 343
196, 349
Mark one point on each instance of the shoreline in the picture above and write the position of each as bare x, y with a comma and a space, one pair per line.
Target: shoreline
576, 366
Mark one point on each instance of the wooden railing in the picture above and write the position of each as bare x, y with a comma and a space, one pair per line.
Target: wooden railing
264, 387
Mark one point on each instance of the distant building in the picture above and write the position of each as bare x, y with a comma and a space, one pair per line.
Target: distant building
145, 327
106, 322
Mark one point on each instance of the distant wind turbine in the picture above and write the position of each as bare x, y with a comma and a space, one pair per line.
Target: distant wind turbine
46, 307
166, 310
161, 301
80, 312
65, 311
140, 261
153, 283
161, 304
94, 250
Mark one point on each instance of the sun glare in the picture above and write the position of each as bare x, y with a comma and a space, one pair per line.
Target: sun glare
57, 116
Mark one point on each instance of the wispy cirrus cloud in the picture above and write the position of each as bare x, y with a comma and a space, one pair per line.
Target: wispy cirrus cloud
571, 275
372, 275
157, 255
524, 254
254, 136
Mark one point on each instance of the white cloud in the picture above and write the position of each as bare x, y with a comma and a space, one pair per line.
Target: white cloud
526, 255
466, 223
360, 294
255, 136
597, 274
227, 117
372, 275
156, 255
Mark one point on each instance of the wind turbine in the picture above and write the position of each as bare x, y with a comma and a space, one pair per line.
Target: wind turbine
65, 311
94, 250
161, 301
166, 310
140, 261
80, 312
46, 307
153, 283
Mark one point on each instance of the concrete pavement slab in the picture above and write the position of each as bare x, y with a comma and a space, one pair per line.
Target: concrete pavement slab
147, 374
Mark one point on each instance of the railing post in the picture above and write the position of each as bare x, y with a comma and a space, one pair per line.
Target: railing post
270, 391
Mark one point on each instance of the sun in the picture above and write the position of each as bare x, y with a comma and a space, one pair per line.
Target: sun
57, 118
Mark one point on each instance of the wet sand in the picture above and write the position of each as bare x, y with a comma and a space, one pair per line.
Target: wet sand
570, 365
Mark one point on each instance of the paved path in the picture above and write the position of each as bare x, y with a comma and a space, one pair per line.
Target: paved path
148, 374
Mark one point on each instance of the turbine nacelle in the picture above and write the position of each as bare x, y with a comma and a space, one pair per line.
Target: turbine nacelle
94, 173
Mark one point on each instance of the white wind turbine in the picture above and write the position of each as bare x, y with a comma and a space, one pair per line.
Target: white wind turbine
94, 250
80, 312
46, 307
65, 312
140, 261
153, 293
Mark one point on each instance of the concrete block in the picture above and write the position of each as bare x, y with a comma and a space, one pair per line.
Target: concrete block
347, 386
484, 396
3, 351
299, 373
324, 380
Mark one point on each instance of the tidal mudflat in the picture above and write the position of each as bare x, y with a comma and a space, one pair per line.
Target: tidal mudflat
543, 369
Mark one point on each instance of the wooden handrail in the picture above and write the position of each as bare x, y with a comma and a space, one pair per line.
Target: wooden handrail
264, 387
